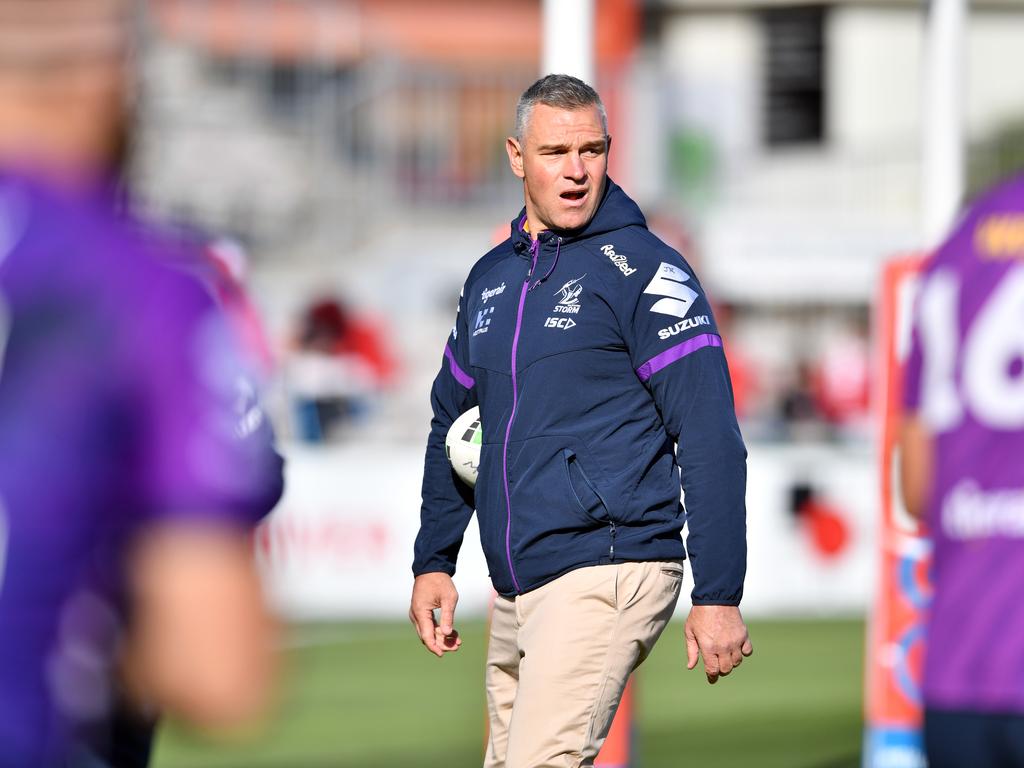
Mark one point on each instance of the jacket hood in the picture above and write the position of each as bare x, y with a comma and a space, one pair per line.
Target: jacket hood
615, 211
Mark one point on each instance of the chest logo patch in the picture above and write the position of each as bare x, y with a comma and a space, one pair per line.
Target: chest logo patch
569, 297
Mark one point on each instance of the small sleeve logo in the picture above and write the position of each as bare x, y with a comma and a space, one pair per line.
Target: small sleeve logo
620, 261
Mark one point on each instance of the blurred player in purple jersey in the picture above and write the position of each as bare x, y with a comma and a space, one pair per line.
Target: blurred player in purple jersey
963, 474
133, 459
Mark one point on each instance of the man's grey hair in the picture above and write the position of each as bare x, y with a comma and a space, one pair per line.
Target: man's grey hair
561, 91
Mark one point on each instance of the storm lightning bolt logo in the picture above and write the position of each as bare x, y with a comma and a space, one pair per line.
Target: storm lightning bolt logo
570, 292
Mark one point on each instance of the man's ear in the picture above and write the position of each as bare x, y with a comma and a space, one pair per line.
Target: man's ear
515, 156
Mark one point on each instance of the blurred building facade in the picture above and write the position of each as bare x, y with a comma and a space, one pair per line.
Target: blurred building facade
796, 129
359, 143
357, 147
360, 112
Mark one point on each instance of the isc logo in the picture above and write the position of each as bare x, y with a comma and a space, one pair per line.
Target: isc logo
560, 322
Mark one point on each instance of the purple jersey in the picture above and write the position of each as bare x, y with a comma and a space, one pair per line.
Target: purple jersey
965, 379
122, 404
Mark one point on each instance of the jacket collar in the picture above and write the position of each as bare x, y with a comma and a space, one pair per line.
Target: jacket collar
615, 211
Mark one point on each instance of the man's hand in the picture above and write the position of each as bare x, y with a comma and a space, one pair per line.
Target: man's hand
717, 633
429, 592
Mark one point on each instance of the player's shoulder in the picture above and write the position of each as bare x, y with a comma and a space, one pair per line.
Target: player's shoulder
81, 242
1007, 194
136, 271
105, 274
997, 226
491, 260
989, 232
633, 256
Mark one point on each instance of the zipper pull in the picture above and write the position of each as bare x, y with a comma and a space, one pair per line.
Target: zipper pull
611, 549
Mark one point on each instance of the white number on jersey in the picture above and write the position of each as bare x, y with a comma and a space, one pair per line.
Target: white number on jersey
991, 357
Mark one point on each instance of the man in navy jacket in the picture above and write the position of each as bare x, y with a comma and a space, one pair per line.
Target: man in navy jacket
591, 350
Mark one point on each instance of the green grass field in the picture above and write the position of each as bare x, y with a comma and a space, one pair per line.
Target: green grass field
367, 695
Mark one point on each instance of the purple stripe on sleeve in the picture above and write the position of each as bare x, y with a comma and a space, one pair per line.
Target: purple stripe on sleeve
460, 375
677, 352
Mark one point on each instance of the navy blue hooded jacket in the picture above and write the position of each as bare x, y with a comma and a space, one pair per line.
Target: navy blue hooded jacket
591, 355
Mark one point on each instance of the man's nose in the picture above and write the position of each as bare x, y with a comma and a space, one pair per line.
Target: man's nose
575, 169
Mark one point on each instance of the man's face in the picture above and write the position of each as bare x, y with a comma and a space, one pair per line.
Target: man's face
563, 161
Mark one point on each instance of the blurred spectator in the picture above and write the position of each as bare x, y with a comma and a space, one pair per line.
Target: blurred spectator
841, 380
130, 478
340, 362
824, 394
742, 372
802, 418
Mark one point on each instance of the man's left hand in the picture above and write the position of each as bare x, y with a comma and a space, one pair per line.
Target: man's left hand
718, 634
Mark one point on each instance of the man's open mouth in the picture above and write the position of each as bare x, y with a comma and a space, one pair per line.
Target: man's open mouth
578, 194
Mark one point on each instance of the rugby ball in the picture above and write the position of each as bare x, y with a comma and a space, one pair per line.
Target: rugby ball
462, 445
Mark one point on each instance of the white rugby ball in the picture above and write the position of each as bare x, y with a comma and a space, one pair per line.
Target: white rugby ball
462, 445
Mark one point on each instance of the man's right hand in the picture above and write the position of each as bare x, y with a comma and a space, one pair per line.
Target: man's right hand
716, 633
431, 591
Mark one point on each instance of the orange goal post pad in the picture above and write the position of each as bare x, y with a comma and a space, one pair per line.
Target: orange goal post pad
895, 638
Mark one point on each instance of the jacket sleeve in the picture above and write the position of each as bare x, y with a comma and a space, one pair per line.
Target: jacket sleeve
676, 351
447, 502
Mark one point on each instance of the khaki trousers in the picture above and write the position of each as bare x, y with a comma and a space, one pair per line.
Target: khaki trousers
560, 655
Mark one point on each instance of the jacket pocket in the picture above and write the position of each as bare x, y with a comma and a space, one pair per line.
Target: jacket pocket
585, 493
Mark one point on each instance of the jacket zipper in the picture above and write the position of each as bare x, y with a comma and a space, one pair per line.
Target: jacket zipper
534, 251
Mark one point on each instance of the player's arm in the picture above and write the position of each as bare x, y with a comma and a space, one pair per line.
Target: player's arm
447, 502
200, 645
915, 439
688, 378
915, 464
202, 472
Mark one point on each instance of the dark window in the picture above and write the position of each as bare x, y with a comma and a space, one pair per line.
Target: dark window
794, 75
